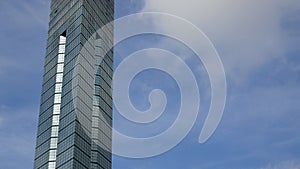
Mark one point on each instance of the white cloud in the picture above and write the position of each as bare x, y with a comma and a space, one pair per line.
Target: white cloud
37, 11
18, 131
247, 34
22, 14
283, 165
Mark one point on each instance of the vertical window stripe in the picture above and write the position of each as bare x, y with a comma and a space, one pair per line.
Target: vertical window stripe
57, 102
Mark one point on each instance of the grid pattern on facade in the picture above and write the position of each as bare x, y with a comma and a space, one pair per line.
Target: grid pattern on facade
76, 92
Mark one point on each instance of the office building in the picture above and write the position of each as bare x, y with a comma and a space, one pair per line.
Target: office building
74, 128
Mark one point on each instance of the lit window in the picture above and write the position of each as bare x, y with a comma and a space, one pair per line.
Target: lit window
57, 101
55, 120
61, 58
62, 40
61, 49
58, 88
59, 78
52, 155
60, 68
51, 165
56, 109
57, 98
54, 131
53, 143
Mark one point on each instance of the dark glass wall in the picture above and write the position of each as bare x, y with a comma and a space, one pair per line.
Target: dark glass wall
74, 129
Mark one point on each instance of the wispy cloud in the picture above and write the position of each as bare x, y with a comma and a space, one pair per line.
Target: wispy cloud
283, 165
247, 34
17, 131
24, 14
36, 9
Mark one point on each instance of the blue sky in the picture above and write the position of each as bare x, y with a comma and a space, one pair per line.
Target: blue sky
258, 43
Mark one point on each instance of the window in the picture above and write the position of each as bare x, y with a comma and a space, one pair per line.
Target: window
56, 109
61, 58
55, 120
59, 78
51, 165
53, 143
57, 102
57, 98
60, 68
62, 40
52, 155
54, 131
58, 88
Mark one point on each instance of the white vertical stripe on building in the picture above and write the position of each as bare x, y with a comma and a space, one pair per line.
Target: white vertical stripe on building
57, 102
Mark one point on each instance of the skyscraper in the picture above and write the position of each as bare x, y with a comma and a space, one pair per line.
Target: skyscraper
74, 128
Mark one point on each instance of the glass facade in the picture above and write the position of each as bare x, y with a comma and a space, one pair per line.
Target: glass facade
74, 128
